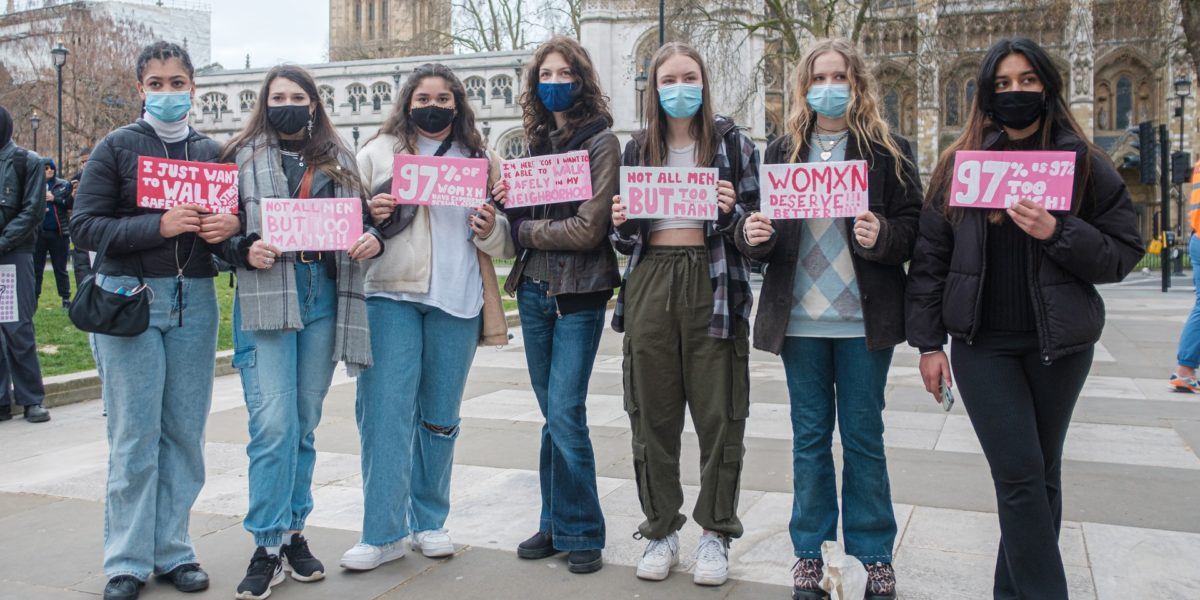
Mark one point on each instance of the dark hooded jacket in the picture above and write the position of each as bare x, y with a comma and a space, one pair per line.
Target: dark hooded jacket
59, 209
22, 192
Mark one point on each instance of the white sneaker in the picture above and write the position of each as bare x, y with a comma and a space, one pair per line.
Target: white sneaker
434, 543
712, 560
659, 557
364, 557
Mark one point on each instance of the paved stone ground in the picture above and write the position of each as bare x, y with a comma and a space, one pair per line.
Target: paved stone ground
1132, 481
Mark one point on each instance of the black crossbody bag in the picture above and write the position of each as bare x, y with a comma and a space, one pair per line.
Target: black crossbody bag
97, 310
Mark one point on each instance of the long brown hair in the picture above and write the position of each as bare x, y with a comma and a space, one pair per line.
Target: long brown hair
325, 149
654, 147
590, 101
462, 129
1057, 117
866, 122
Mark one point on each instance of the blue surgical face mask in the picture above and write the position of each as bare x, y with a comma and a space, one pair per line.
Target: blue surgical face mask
681, 100
557, 97
829, 100
168, 107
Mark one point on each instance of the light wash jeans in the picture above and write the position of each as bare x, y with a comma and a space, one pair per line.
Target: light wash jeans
407, 412
840, 379
560, 352
158, 389
1189, 338
285, 376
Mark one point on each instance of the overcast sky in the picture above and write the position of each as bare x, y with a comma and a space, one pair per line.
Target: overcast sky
271, 31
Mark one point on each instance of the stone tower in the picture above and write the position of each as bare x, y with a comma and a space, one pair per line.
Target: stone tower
362, 29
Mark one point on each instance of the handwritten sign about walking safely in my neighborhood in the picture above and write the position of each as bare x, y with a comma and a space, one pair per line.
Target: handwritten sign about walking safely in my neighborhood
311, 223
814, 190
164, 184
669, 192
548, 179
996, 180
439, 180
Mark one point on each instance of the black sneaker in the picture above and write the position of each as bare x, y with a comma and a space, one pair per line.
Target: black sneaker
265, 571
541, 545
36, 413
6, 415
122, 587
187, 578
584, 561
300, 561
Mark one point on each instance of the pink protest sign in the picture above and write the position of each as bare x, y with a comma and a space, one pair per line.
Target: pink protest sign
439, 180
814, 190
984, 179
311, 223
164, 183
548, 179
669, 192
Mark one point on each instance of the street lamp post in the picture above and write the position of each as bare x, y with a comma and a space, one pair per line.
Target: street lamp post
59, 55
35, 121
396, 78
487, 132
1183, 89
662, 30
354, 134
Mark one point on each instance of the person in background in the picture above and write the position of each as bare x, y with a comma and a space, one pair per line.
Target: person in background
157, 384
1015, 289
81, 261
22, 203
53, 238
685, 311
1183, 379
563, 277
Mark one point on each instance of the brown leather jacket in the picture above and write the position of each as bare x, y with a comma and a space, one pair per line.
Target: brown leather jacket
575, 234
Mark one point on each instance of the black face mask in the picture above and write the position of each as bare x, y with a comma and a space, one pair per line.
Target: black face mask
1018, 110
288, 119
432, 119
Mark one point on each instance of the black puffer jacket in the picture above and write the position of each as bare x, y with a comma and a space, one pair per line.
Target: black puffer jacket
879, 270
22, 198
1098, 242
107, 201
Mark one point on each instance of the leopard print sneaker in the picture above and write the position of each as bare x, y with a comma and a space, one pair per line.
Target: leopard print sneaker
806, 580
881, 582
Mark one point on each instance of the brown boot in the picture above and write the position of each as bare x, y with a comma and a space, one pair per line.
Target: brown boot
881, 582
806, 580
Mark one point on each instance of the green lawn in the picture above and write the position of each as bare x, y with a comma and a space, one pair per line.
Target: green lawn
64, 349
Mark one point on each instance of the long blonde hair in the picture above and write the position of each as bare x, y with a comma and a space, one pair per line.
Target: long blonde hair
862, 115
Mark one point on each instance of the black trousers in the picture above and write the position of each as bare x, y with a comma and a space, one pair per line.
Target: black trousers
59, 248
19, 360
1020, 409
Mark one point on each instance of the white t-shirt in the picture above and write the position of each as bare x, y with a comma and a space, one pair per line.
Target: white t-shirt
455, 285
686, 158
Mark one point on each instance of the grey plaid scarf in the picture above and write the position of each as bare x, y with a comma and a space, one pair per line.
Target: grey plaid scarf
268, 297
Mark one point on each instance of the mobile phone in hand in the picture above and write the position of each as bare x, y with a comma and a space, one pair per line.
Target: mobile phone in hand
947, 396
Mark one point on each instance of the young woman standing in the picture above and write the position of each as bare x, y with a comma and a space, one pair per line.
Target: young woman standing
296, 315
833, 307
432, 297
1015, 290
564, 277
685, 311
158, 384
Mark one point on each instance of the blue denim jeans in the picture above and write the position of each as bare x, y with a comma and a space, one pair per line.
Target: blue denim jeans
407, 410
158, 389
560, 352
285, 376
1189, 338
839, 378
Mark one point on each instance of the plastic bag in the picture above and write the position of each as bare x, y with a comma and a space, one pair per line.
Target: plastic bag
844, 576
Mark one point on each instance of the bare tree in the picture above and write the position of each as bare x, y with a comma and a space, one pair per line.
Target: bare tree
99, 92
563, 16
1191, 31
491, 25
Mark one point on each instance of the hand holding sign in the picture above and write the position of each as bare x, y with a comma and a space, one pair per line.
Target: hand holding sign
180, 219
996, 180
1033, 218
758, 229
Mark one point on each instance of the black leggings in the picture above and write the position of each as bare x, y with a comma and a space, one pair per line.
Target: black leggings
1020, 409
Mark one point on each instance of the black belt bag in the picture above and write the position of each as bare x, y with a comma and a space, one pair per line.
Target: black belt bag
97, 310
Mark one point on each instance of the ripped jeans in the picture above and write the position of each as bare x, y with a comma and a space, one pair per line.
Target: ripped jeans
407, 411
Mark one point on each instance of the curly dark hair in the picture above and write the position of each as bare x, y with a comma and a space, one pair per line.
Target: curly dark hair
590, 102
162, 50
